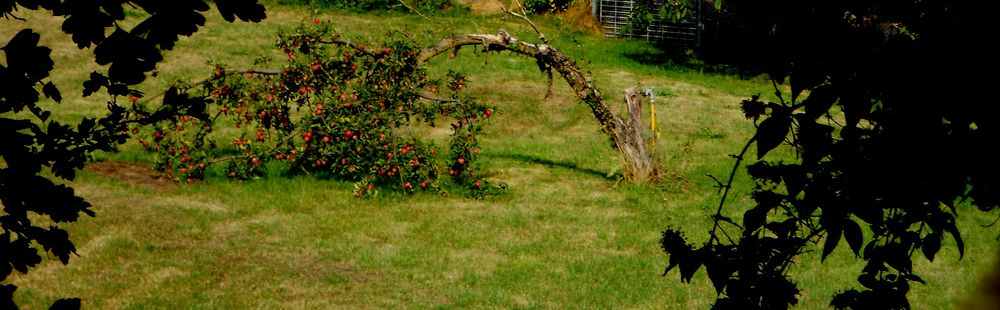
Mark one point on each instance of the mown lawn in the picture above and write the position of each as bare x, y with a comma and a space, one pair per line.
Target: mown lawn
565, 235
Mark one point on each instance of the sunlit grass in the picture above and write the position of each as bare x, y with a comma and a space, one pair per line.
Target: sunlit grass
567, 234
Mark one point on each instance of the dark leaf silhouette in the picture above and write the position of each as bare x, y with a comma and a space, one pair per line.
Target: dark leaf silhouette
85, 21
771, 133
832, 239
819, 101
245, 10
852, 233
931, 245
28, 148
94, 84
129, 55
171, 21
24, 55
898, 140
52, 92
66, 304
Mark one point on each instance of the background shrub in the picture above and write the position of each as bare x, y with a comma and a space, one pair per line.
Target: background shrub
373, 5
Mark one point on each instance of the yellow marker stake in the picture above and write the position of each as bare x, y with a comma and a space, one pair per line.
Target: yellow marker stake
652, 123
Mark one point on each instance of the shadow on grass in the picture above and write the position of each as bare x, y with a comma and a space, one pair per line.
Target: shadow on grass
683, 58
551, 163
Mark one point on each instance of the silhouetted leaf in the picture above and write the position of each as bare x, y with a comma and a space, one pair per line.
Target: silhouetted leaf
856, 108
719, 269
755, 218
24, 55
246, 10
771, 133
897, 257
930, 245
7, 296
56, 240
804, 76
180, 17
66, 304
819, 101
782, 229
130, 57
753, 108
22, 256
845, 300
794, 178
51, 91
832, 239
852, 232
94, 84
85, 22
689, 265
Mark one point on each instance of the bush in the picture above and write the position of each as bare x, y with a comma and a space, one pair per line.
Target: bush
545, 6
373, 5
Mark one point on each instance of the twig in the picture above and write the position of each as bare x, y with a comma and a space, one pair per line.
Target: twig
548, 91
428, 96
777, 92
524, 16
206, 80
338, 40
408, 7
276, 146
729, 186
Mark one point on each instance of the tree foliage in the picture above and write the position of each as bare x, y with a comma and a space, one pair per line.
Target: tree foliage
882, 137
335, 109
33, 146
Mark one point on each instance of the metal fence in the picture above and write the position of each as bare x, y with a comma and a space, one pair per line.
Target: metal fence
614, 14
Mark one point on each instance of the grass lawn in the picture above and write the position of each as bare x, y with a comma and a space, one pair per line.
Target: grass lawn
565, 235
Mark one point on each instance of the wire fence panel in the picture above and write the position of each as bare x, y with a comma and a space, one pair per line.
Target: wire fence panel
614, 16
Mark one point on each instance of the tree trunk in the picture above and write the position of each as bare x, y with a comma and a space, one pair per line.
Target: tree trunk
626, 136
631, 142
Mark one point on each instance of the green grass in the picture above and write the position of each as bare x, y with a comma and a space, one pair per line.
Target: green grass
564, 235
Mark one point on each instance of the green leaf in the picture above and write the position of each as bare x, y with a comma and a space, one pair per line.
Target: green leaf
852, 232
771, 133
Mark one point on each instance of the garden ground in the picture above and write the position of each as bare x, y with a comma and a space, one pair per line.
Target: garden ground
567, 233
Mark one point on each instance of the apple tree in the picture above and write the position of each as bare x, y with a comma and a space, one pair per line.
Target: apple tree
348, 110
